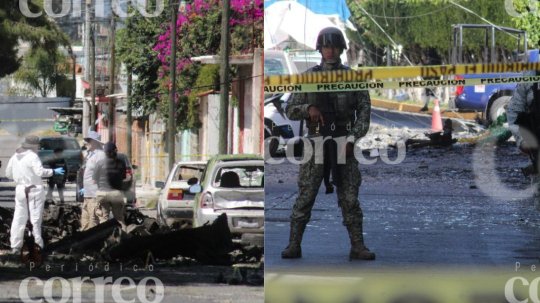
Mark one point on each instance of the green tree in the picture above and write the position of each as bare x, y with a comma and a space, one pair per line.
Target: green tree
424, 28
529, 20
134, 48
42, 70
15, 27
144, 45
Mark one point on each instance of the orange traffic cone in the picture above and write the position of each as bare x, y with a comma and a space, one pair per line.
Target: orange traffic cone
436, 120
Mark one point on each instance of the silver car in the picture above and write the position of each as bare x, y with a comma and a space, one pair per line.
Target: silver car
233, 184
175, 203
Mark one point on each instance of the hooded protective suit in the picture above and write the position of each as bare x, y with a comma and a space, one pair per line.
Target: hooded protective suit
26, 170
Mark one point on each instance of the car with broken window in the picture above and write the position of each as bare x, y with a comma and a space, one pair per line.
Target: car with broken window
175, 202
234, 185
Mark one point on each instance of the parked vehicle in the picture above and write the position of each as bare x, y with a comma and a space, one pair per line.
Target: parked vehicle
491, 99
233, 184
277, 62
128, 185
304, 59
175, 202
276, 122
71, 151
68, 121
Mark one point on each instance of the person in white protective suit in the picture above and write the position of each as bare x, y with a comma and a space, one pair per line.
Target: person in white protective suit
26, 170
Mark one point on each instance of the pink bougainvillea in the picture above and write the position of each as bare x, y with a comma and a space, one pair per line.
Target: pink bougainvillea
243, 13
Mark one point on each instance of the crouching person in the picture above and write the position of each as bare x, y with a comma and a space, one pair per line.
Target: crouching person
109, 176
26, 169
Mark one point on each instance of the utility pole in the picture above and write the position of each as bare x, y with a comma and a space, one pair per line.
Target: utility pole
224, 79
111, 78
129, 117
92, 68
87, 24
171, 127
73, 72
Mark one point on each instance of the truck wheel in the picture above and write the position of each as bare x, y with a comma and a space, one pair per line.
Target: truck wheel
498, 107
273, 146
299, 148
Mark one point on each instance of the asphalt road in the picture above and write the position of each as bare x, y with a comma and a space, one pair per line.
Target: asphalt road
391, 118
433, 209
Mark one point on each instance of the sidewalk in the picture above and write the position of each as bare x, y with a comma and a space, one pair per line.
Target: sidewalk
413, 108
147, 196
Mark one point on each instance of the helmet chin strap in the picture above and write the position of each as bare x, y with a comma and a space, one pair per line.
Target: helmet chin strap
330, 64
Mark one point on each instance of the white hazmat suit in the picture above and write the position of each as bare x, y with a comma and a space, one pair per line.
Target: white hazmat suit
26, 170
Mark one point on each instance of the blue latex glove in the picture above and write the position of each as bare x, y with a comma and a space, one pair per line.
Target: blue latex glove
59, 171
81, 191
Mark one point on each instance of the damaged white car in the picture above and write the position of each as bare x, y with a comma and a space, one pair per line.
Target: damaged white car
233, 184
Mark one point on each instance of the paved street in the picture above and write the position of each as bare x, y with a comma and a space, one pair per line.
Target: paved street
427, 210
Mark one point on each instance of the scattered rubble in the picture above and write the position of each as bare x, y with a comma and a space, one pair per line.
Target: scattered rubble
383, 137
143, 240
209, 244
6, 216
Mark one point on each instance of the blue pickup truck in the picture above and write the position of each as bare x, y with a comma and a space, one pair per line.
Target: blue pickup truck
491, 99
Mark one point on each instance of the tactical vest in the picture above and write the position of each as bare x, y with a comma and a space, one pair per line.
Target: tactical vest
337, 108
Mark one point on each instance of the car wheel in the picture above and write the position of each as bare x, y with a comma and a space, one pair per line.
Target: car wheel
498, 107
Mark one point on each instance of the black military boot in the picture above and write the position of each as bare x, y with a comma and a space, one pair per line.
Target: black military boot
293, 250
358, 250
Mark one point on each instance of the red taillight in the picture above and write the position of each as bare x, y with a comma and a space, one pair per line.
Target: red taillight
129, 172
207, 201
175, 194
459, 89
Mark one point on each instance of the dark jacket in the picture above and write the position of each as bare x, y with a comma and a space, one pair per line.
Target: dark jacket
110, 174
56, 163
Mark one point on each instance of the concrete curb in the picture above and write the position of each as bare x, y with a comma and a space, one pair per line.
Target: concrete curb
412, 108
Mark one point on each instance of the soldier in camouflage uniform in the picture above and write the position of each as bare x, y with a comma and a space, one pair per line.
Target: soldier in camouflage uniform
523, 116
338, 114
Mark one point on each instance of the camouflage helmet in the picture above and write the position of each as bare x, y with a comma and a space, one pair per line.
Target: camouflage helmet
331, 36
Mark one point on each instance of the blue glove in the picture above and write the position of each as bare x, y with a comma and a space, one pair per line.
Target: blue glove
59, 171
81, 191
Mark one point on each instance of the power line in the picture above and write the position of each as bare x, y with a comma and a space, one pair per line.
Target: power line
413, 16
482, 18
385, 33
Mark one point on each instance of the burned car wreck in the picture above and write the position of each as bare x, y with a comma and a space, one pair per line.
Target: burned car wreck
142, 241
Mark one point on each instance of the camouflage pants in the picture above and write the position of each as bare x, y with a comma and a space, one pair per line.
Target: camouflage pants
309, 182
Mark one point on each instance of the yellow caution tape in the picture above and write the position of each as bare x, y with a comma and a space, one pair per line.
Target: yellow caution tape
395, 84
366, 74
398, 285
